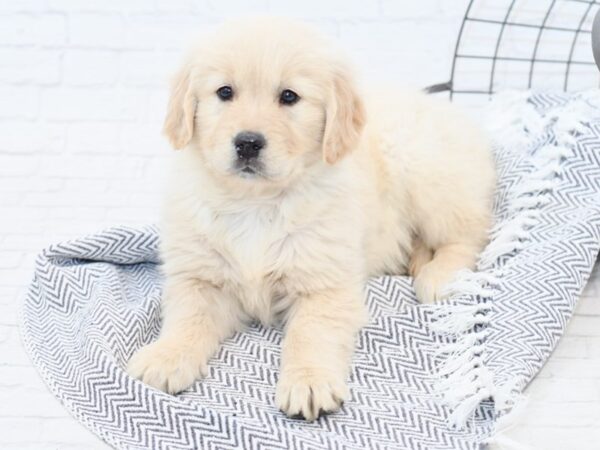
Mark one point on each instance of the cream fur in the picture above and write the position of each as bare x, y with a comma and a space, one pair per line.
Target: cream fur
353, 186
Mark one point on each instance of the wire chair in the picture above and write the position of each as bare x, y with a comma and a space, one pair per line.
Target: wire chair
524, 44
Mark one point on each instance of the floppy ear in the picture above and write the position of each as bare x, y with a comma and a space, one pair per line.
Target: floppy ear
344, 118
179, 122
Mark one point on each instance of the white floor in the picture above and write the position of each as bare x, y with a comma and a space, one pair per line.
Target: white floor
563, 411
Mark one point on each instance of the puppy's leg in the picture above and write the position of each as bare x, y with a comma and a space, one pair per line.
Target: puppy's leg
447, 260
317, 348
421, 255
196, 318
454, 223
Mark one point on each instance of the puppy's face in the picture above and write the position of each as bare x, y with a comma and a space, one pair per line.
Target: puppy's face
263, 102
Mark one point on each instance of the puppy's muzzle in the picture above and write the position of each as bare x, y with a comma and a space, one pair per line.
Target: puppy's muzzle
248, 145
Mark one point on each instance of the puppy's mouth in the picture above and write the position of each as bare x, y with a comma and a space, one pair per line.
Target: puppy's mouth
247, 169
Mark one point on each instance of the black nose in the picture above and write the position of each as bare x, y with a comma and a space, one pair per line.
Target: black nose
248, 144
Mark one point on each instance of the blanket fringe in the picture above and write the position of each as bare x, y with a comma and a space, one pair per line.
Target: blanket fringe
463, 380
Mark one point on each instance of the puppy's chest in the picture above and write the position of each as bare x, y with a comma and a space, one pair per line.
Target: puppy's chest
257, 248
254, 243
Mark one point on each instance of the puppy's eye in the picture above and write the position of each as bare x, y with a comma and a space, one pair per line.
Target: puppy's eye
225, 93
288, 97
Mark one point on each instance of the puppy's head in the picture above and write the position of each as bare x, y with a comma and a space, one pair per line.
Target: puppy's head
263, 101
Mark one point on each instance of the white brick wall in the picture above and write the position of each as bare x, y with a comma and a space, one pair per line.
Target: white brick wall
82, 97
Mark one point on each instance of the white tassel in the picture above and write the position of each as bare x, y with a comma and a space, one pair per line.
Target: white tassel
456, 387
536, 201
554, 152
452, 365
487, 277
464, 342
526, 219
474, 378
447, 310
491, 254
537, 186
454, 324
456, 393
504, 395
480, 277
454, 379
466, 288
550, 170
461, 414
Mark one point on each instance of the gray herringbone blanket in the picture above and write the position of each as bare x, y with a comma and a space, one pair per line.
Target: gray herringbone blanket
424, 377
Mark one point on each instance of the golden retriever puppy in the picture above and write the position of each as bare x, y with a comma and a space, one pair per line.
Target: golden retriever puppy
291, 189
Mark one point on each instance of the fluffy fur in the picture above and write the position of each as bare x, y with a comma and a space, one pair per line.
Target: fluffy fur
350, 186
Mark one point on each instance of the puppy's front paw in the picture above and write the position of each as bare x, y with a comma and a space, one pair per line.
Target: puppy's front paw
429, 284
309, 392
167, 366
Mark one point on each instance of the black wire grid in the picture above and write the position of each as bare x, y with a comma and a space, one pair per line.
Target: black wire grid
523, 44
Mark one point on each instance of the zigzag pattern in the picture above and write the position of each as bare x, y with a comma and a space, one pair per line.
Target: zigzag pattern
95, 300
542, 283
